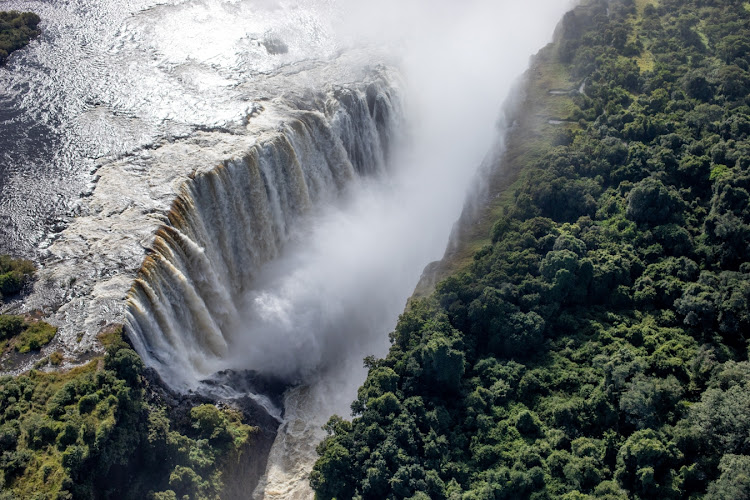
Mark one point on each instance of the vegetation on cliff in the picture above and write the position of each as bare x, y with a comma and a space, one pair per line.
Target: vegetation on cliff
102, 431
17, 29
596, 346
23, 334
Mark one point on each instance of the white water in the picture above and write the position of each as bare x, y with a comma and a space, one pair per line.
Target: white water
108, 77
333, 299
198, 306
219, 293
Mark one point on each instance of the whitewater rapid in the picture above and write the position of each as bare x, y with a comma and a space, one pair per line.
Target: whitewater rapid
109, 77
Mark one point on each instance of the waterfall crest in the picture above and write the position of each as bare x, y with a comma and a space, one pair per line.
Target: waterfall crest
182, 311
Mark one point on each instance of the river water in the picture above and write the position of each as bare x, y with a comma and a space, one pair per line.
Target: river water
108, 77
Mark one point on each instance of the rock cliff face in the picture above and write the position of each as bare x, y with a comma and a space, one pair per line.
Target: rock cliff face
244, 469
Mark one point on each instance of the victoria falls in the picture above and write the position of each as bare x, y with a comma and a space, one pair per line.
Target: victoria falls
296, 249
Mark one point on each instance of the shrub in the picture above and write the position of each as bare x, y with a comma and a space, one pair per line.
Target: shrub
35, 336
16, 30
10, 326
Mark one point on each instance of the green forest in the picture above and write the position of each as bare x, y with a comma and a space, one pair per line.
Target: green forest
17, 29
102, 430
594, 345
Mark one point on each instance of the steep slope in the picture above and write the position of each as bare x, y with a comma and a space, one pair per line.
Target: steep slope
595, 345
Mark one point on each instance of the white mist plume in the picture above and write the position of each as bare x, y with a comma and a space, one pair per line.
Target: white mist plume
337, 291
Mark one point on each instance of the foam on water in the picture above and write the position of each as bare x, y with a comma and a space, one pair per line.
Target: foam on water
109, 77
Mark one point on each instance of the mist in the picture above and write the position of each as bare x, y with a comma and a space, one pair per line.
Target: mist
337, 291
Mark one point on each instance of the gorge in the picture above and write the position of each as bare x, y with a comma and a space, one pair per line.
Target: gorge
227, 223
258, 210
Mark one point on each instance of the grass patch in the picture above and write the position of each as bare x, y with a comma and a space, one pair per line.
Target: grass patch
10, 326
704, 39
552, 76
56, 358
547, 76
561, 108
25, 335
35, 336
109, 335
645, 61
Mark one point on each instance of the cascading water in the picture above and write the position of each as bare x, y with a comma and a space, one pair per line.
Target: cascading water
183, 313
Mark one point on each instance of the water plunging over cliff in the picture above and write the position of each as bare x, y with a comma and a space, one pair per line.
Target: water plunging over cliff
184, 314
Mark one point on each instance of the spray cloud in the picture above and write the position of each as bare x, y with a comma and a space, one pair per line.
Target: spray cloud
338, 289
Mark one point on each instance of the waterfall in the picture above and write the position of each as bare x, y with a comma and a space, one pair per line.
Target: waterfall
182, 312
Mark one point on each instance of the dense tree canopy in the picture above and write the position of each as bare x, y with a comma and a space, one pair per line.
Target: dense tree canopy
98, 432
597, 346
16, 30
